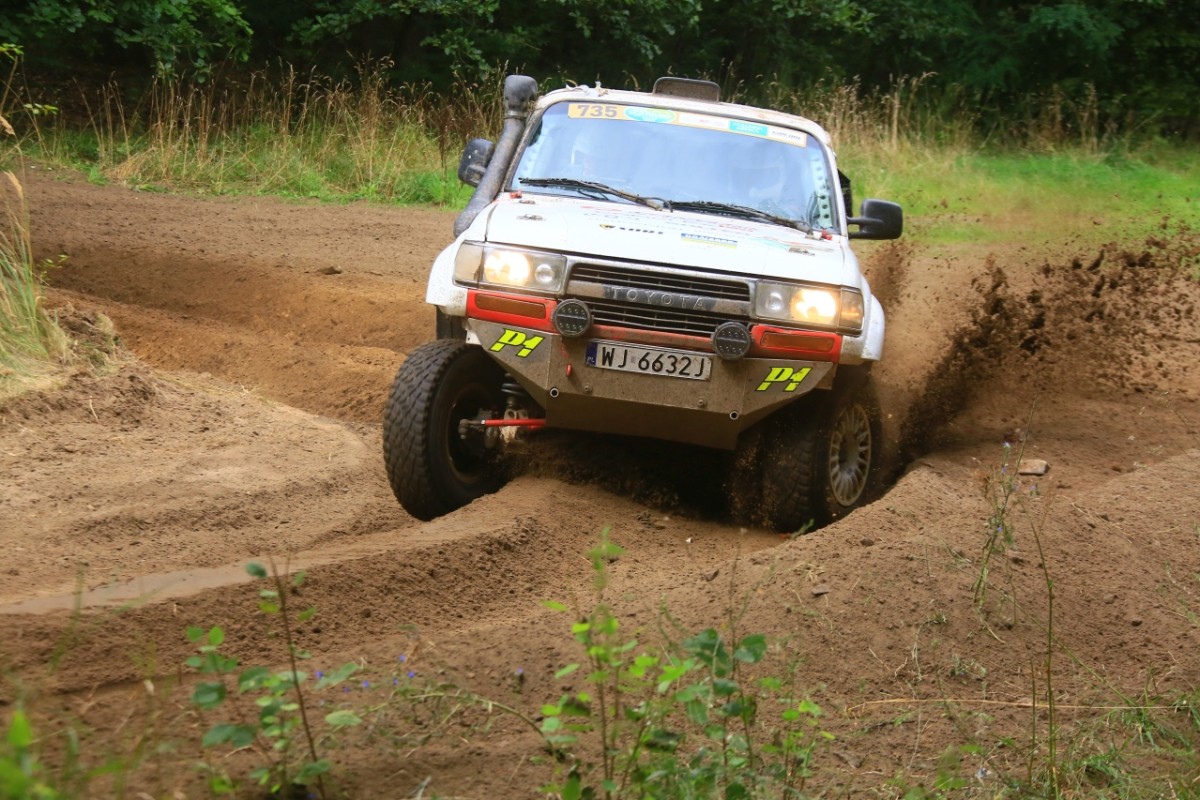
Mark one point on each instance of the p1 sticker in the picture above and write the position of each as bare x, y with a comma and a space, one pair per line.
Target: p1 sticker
524, 344
786, 377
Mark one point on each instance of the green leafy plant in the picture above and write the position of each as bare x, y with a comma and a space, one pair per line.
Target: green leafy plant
683, 720
279, 731
21, 774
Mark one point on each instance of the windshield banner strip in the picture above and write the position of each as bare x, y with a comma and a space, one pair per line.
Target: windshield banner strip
687, 119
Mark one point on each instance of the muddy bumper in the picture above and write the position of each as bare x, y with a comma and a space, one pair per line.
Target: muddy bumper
617, 387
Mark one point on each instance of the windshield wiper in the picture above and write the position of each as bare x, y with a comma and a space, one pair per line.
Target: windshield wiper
733, 210
657, 203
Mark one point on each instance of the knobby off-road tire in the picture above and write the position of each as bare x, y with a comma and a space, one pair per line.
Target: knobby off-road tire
432, 469
814, 461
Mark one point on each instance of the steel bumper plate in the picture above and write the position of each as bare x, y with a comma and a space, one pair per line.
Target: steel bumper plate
709, 406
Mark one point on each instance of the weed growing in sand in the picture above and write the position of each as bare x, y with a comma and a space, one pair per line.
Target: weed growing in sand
280, 732
683, 720
1001, 487
1005, 492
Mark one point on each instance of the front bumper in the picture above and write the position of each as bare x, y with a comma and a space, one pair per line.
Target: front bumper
555, 372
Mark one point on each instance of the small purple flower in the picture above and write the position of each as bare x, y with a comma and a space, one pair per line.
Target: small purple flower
366, 684
320, 674
402, 658
412, 674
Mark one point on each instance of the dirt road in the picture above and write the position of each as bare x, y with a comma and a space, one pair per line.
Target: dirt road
242, 425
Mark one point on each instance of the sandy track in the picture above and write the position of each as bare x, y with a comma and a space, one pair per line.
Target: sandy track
266, 335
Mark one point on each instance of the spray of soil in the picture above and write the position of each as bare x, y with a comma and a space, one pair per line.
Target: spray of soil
1124, 320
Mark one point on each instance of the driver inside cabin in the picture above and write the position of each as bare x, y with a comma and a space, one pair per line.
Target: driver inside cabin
603, 152
766, 176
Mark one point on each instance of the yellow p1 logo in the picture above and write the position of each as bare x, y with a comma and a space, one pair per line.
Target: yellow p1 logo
785, 375
524, 344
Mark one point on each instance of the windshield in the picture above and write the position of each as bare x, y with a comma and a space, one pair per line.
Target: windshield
702, 162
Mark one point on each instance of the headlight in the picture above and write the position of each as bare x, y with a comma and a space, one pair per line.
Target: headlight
507, 267
814, 306
521, 269
810, 305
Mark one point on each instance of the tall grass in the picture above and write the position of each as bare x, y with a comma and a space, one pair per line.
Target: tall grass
920, 143
277, 132
1050, 168
30, 338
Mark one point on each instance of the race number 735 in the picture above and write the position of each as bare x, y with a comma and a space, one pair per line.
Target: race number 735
592, 110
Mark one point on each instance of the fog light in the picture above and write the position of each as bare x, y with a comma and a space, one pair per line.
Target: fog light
731, 340
572, 318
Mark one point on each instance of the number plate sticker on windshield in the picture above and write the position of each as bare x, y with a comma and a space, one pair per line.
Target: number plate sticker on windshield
649, 360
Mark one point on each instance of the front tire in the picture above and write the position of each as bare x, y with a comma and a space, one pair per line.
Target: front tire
432, 468
814, 461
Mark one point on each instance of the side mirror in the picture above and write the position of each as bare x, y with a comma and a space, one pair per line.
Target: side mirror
475, 158
878, 219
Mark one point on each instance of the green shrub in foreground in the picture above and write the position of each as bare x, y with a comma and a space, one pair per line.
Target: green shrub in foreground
687, 721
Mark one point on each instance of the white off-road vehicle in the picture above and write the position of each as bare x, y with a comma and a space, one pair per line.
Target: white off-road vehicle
656, 264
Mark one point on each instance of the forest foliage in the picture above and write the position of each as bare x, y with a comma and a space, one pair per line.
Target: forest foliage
1139, 59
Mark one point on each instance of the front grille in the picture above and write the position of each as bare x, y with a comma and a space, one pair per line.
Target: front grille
719, 288
729, 299
629, 315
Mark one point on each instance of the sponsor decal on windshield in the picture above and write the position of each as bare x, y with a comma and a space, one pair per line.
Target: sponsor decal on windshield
650, 114
754, 129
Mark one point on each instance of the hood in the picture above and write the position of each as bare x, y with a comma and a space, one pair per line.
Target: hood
583, 227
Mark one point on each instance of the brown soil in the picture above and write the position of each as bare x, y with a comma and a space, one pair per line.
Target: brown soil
237, 421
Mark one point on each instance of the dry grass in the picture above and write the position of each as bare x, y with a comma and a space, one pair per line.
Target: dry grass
277, 132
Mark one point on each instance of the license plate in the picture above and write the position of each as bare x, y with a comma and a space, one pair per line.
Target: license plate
649, 360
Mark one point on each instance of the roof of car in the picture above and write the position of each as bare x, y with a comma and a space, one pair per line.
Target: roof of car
678, 103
